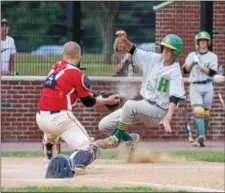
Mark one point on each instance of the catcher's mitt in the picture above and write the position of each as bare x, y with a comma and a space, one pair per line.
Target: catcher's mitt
106, 94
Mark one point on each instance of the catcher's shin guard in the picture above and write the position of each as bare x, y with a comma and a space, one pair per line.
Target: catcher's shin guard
83, 157
60, 167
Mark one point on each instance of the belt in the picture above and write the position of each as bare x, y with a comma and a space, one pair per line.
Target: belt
202, 82
51, 112
154, 103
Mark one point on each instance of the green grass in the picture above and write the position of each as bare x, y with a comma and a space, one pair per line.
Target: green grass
109, 154
209, 156
86, 189
27, 64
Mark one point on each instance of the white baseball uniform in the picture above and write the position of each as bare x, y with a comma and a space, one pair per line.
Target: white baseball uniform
158, 85
7, 48
201, 87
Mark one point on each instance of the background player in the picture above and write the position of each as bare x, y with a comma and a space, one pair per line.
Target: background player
64, 84
161, 89
202, 65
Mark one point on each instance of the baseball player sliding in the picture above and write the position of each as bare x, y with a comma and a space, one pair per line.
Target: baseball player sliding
202, 65
64, 84
161, 90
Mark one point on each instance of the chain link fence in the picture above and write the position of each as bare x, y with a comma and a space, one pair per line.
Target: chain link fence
41, 28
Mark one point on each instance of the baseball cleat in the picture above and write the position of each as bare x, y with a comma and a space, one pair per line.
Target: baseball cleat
199, 142
107, 143
131, 145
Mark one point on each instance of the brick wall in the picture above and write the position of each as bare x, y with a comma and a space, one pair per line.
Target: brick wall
183, 19
19, 97
219, 30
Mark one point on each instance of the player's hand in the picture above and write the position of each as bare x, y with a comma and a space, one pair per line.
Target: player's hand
196, 59
121, 34
166, 124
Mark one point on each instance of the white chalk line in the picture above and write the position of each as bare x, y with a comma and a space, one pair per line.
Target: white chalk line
143, 184
161, 186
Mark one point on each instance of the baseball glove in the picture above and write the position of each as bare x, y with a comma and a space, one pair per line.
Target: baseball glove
106, 94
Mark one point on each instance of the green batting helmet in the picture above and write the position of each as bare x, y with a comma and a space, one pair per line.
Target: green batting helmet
202, 35
173, 42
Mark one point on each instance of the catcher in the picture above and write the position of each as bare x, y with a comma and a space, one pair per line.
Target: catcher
64, 84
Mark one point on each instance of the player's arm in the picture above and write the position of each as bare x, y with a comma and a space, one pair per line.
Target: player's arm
91, 101
189, 63
172, 106
187, 68
176, 93
211, 70
208, 71
140, 57
171, 109
88, 99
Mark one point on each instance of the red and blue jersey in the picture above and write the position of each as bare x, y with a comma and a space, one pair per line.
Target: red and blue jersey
64, 84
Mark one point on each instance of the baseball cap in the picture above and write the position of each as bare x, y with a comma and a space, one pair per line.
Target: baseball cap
4, 21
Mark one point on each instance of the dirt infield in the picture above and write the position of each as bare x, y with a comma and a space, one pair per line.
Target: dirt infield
170, 174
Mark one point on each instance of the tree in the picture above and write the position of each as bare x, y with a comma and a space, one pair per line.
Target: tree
138, 19
105, 14
34, 23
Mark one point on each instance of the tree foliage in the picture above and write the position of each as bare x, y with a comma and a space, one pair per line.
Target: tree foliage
34, 23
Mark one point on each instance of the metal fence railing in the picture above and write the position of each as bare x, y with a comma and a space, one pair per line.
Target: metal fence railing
41, 28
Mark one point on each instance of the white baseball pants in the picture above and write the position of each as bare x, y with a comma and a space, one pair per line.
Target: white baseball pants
201, 94
132, 111
65, 125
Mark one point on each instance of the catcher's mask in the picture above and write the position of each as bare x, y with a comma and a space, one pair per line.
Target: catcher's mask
60, 167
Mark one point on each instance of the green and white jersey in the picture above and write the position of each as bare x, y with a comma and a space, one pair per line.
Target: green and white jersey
209, 59
159, 81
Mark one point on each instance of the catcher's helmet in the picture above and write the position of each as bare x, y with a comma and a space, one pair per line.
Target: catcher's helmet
60, 167
173, 42
202, 35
